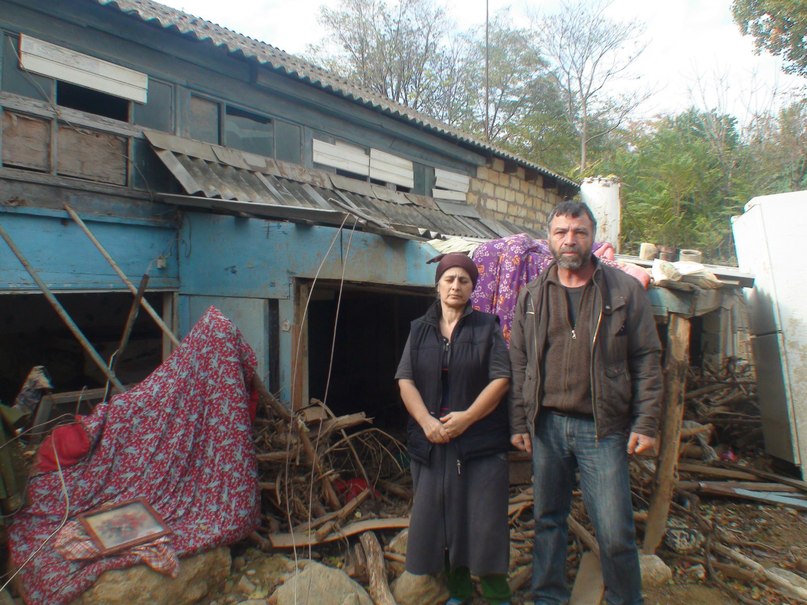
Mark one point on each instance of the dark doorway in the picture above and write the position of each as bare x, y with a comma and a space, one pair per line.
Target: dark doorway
371, 331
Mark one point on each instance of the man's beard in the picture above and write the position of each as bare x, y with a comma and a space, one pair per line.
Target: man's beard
572, 263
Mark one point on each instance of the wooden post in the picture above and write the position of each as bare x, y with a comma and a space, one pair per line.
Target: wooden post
675, 371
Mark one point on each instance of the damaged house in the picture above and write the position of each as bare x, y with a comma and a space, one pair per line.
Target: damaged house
145, 148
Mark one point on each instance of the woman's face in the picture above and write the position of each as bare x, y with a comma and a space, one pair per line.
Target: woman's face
455, 287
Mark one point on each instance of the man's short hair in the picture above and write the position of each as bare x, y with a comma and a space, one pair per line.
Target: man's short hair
574, 210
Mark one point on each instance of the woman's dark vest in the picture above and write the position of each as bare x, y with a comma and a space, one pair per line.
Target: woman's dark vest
468, 375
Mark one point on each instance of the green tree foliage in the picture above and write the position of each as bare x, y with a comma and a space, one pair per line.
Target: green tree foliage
778, 27
676, 190
777, 148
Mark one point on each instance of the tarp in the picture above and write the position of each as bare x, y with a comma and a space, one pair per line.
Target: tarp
181, 440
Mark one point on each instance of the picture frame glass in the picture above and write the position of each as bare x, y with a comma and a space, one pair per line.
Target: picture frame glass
123, 525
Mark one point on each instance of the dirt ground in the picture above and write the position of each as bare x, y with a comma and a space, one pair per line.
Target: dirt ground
773, 536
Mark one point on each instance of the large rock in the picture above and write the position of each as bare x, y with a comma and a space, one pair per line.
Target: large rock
317, 584
654, 571
410, 589
198, 576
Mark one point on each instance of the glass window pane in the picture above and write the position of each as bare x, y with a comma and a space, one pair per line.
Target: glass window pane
248, 132
204, 120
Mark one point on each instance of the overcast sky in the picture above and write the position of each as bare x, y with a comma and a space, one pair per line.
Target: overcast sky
695, 54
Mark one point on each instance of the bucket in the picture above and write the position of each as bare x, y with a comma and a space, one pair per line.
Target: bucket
692, 256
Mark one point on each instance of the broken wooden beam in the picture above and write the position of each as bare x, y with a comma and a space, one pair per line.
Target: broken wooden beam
328, 490
342, 514
132, 288
675, 371
778, 582
376, 569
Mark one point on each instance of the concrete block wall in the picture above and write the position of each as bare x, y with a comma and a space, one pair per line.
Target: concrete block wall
511, 196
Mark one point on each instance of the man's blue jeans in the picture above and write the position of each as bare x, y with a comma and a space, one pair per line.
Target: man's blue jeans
562, 445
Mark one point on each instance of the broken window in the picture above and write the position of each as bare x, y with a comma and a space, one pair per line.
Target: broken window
92, 101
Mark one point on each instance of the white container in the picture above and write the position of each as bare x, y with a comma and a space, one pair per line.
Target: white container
767, 239
601, 194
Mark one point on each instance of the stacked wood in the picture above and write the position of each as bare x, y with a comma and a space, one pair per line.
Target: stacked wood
721, 419
317, 470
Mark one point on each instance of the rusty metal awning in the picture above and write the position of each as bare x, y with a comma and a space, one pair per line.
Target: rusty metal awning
228, 180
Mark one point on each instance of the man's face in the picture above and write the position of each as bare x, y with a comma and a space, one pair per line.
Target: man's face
571, 240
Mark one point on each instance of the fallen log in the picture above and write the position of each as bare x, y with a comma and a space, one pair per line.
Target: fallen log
379, 588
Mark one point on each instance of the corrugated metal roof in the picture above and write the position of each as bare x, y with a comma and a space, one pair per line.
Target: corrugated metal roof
283, 62
223, 178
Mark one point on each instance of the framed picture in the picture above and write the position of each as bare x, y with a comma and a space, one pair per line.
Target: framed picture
124, 524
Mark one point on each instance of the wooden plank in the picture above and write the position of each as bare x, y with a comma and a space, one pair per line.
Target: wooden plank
93, 155
342, 156
67, 65
588, 586
445, 194
391, 169
26, 142
672, 414
716, 471
748, 485
444, 179
754, 495
302, 539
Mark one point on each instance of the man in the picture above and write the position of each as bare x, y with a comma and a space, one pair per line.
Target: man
586, 394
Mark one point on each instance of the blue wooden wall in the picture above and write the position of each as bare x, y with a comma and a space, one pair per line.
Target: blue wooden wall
234, 262
66, 260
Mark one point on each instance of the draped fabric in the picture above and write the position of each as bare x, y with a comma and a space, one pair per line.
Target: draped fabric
181, 440
508, 263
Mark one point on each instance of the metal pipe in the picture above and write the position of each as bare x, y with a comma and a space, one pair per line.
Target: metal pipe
63, 314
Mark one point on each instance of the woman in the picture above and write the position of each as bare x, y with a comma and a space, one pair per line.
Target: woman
453, 374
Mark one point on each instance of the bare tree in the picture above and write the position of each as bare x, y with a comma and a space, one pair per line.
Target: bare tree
588, 55
396, 50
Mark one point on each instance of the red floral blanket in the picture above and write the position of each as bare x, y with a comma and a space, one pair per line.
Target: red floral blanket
181, 439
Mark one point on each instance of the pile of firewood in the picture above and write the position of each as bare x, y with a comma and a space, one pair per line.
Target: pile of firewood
319, 472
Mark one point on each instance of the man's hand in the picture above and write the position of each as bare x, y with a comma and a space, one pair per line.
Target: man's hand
638, 444
522, 441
